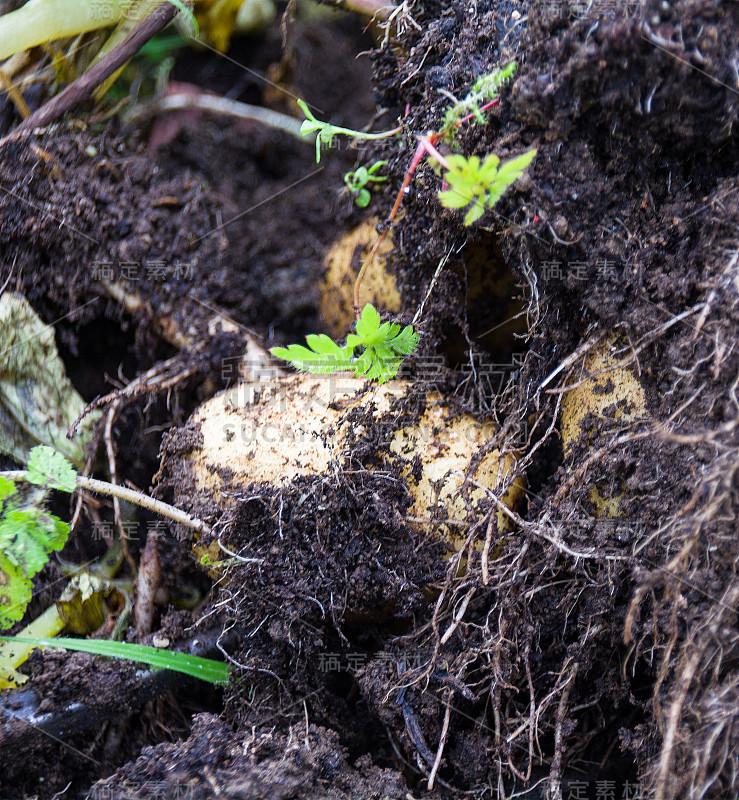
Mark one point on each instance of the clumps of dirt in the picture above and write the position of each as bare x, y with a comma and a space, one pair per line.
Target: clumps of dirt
596, 640
84, 713
306, 762
626, 221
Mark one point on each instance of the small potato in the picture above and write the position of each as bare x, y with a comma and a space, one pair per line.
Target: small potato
299, 425
615, 395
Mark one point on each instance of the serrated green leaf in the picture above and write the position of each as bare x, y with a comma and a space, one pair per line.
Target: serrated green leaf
475, 212
512, 169
15, 593
384, 345
368, 323
453, 198
27, 536
318, 363
489, 169
480, 184
47, 467
457, 162
406, 341
19, 541
320, 343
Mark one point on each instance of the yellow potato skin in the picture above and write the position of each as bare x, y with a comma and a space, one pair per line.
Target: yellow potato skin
614, 395
299, 425
343, 262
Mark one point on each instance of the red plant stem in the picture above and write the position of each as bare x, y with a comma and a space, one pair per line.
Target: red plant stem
425, 146
421, 150
481, 109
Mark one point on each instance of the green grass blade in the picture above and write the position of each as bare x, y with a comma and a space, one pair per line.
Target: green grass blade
204, 668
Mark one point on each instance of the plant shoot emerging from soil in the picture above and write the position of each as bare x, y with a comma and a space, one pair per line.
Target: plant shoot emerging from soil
384, 347
480, 184
325, 131
471, 183
357, 181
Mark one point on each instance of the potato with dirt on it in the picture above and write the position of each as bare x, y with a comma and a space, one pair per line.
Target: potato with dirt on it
343, 262
303, 425
614, 395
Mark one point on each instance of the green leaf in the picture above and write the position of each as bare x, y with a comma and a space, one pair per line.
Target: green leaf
377, 165
514, 167
368, 324
323, 358
480, 185
453, 198
385, 346
47, 467
15, 593
475, 212
7, 489
363, 198
204, 668
27, 536
489, 169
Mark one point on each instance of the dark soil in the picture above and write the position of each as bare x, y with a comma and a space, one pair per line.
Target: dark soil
600, 655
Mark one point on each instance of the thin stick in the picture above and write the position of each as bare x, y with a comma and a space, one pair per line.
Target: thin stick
130, 495
220, 105
554, 790
82, 88
110, 451
442, 742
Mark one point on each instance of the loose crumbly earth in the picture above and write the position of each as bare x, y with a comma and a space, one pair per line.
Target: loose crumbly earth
589, 648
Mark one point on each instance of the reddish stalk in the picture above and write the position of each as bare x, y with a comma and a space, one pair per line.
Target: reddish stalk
426, 146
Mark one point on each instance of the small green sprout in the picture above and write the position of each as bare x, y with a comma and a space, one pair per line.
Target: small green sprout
480, 184
485, 89
385, 346
357, 181
325, 131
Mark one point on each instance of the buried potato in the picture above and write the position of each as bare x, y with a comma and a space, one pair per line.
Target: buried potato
608, 394
430, 472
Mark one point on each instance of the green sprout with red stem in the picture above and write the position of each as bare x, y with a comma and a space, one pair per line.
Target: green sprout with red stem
471, 182
376, 349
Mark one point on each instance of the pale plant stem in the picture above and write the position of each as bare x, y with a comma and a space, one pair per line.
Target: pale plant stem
130, 495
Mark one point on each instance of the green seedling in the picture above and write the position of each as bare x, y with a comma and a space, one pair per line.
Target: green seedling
29, 534
357, 181
484, 90
481, 190
384, 346
480, 184
325, 131
197, 667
